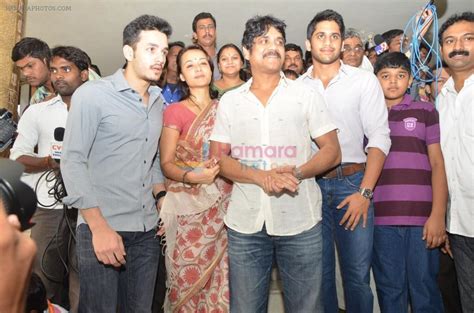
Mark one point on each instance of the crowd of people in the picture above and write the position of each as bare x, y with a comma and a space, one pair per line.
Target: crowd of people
191, 171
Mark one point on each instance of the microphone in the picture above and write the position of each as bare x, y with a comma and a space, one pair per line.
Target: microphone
57, 144
380, 44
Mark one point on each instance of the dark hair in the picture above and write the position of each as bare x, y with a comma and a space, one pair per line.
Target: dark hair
36, 297
389, 35
95, 68
326, 15
182, 84
293, 47
202, 16
242, 74
131, 32
392, 60
176, 44
467, 16
230, 45
72, 54
32, 47
258, 26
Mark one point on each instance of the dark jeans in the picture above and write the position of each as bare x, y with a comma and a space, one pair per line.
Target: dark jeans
125, 289
463, 253
160, 286
354, 247
405, 270
298, 259
56, 251
448, 284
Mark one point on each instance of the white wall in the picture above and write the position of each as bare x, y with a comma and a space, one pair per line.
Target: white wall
96, 25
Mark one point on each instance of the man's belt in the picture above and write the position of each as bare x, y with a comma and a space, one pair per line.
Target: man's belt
346, 169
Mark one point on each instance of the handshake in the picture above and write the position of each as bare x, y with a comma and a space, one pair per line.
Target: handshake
280, 179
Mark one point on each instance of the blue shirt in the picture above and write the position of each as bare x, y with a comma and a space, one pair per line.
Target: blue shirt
109, 158
172, 93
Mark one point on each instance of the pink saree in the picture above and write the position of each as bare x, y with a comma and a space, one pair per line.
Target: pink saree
196, 238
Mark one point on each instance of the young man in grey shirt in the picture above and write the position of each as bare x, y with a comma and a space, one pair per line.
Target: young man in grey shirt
111, 172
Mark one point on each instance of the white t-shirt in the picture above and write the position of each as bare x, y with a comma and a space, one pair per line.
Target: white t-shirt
456, 116
264, 136
36, 127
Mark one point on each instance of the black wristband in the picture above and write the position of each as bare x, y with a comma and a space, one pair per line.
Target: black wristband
160, 195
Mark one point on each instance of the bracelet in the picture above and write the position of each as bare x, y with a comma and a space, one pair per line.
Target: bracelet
184, 176
160, 195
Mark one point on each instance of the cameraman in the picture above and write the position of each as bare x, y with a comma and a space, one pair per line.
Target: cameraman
17, 252
54, 226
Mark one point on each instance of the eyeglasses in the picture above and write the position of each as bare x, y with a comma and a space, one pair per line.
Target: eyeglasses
356, 50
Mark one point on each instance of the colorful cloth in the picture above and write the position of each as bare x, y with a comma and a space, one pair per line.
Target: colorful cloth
193, 219
221, 92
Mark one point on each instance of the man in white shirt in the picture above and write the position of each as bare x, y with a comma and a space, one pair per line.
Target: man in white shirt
52, 232
353, 51
356, 103
263, 135
456, 114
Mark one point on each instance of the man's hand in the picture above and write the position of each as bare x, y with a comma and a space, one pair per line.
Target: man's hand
108, 246
358, 206
434, 231
447, 248
278, 179
17, 252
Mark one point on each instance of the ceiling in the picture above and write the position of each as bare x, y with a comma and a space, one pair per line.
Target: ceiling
96, 25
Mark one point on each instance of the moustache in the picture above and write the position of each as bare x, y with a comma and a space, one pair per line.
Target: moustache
458, 52
60, 83
272, 53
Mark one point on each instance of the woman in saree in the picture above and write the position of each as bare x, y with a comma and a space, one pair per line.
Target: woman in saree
230, 61
196, 201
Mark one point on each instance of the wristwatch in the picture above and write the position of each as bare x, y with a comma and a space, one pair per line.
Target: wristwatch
366, 193
160, 195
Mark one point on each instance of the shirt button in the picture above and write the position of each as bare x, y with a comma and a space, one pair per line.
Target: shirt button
144, 161
146, 139
143, 185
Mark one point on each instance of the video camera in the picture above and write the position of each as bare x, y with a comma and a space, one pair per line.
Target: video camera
7, 129
17, 197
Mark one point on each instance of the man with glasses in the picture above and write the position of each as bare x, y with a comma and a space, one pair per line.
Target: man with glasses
353, 51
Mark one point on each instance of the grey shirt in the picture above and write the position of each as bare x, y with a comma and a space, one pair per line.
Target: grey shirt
110, 154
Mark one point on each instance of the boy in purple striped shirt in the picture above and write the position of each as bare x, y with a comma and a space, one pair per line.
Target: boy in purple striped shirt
410, 198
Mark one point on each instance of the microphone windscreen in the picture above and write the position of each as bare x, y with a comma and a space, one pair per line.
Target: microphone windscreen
59, 133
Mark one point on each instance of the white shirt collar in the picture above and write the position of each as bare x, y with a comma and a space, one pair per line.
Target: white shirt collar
449, 85
246, 87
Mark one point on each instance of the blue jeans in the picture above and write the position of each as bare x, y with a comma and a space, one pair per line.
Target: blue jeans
463, 252
405, 270
129, 288
354, 247
298, 259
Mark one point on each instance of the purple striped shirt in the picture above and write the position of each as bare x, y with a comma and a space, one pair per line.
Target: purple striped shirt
403, 195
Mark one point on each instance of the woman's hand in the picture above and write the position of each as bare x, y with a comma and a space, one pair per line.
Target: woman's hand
204, 174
